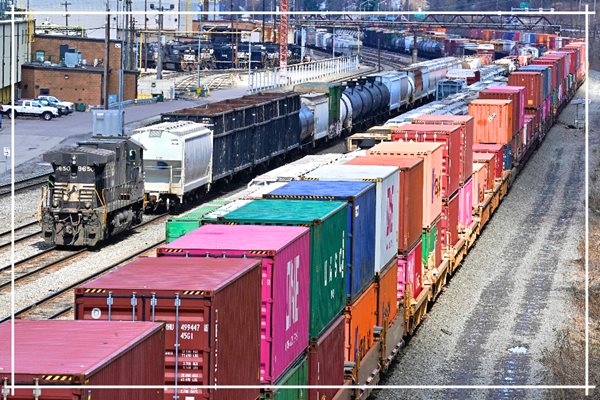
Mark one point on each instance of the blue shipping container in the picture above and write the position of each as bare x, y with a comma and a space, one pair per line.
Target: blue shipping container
361, 223
508, 157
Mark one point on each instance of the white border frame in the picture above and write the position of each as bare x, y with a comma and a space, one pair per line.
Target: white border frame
587, 385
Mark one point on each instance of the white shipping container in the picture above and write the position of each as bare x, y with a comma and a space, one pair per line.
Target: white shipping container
293, 171
256, 192
177, 157
386, 180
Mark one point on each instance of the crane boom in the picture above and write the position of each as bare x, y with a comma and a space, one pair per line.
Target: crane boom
283, 33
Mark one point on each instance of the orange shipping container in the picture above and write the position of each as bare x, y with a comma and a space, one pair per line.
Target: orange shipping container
480, 177
493, 122
361, 318
432, 155
490, 160
387, 302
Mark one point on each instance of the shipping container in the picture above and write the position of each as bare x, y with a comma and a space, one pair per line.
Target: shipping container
410, 193
387, 304
450, 211
285, 255
84, 353
493, 122
328, 223
432, 156
325, 361
450, 137
296, 375
294, 170
429, 241
496, 149
490, 160
534, 87
360, 265
360, 322
547, 72
177, 226
465, 205
410, 271
516, 94
386, 214
204, 302
480, 182
467, 124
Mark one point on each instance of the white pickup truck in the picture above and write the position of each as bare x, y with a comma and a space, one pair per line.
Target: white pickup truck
31, 108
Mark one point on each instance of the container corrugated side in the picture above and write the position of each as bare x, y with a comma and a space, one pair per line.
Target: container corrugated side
534, 87
360, 323
296, 375
450, 211
328, 223
490, 160
428, 254
480, 182
386, 215
387, 304
325, 361
450, 137
410, 272
431, 154
219, 302
84, 353
516, 94
497, 149
361, 221
467, 124
410, 195
493, 122
285, 255
465, 205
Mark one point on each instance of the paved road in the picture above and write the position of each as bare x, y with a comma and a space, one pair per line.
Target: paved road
33, 136
501, 311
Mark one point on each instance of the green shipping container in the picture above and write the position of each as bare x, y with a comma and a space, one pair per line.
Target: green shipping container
328, 223
182, 224
428, 248
296, 375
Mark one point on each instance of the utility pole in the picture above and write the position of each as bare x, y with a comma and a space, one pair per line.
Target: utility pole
66, 4
145, 49
264, 8
160, 10
414, 51
106, 57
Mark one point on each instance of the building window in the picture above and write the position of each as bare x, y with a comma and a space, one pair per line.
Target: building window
39, 56
44, 91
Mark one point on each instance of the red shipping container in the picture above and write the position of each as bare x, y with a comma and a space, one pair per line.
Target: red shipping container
325, 361
387, 306
410, 192
219, 304
529, 131
450, 211
490, 160
410, 273
84, 353
281, 249
497, 149
534, 87
493, 122
467, 124
535, 115
450, 137
516, 94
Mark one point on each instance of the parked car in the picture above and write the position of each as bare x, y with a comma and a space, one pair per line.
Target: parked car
70, 106
31, 108
62, 110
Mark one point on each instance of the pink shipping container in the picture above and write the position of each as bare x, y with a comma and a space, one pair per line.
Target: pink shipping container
219, 303
97, 353
465, 205
467, 124
410, 272
450, 137
493, 123
432, 156
497, 149
285, 255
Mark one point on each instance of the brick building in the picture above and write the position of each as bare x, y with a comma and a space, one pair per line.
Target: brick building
21, 36
82, 83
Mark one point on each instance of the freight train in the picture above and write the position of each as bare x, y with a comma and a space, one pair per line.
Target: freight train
319, 282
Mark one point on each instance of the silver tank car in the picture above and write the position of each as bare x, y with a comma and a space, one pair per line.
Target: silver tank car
96, 191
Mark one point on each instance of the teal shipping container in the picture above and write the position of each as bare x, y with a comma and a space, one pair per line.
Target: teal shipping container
328, 223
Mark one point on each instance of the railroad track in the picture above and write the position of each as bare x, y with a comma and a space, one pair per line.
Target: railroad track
22, 233
59, 302
24, 185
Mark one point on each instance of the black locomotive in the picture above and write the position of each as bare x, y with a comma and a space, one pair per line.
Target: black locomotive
96, 191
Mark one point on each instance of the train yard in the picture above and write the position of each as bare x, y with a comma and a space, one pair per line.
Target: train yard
374, 229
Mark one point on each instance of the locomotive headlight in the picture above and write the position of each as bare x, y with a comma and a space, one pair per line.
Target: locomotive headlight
88, 205
55, 204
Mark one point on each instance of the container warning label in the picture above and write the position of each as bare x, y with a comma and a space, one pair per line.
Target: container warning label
96, 313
